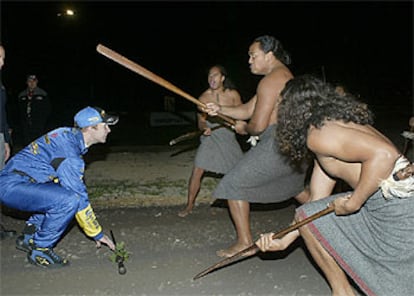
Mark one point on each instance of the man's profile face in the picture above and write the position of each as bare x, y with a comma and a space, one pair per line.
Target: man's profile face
256, 58
99, 132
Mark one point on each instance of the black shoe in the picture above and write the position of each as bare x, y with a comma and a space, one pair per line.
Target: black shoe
45, 257
25, 242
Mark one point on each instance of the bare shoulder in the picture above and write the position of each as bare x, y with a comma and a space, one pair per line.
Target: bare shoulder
277, 78
329, 135
206, 96
234, 94
338, 137
230, 92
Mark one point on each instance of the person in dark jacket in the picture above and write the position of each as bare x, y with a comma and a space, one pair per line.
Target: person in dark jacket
4, 127
35, 108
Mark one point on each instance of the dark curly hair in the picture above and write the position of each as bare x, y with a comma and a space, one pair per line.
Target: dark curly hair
306, 101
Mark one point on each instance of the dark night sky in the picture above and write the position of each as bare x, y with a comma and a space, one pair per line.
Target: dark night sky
367, 46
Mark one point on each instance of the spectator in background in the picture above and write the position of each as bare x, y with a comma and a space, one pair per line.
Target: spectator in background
35, 108
409, 138
4, 128
4, 133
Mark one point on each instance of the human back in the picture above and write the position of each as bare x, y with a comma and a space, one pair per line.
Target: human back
336, 129
337, 148
270, 86
37, 158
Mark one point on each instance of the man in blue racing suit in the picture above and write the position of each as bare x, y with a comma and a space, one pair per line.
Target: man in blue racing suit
46, 178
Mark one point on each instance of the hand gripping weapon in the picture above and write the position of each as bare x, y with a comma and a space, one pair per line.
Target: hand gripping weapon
253, 248
120, 255
116, 57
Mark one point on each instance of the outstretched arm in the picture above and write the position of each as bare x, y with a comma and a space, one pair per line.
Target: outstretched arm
267, 243
240, 112
359, 153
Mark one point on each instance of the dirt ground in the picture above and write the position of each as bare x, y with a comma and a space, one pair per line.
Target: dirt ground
137, 194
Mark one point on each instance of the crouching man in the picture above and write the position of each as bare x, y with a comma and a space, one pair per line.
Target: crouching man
370, 237
46, 179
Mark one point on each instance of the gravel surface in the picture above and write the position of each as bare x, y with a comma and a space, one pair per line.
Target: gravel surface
137, 195
137, 192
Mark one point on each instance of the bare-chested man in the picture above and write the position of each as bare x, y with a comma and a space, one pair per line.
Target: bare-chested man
262, 175
219, 150
370, 236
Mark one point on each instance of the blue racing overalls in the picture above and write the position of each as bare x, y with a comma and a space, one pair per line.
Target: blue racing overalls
46, 178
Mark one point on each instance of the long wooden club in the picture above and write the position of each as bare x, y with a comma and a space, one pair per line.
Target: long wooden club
123, 61
254, 249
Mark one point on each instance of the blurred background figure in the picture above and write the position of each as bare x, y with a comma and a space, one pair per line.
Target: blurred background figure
408, 149
4, 128
4, 135
34, 109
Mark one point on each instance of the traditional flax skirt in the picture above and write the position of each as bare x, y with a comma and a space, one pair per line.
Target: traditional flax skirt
374, 246
263, 175
219, 152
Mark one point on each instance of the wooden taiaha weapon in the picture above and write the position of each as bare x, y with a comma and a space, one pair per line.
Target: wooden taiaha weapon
253, 248
191, 135
118, 58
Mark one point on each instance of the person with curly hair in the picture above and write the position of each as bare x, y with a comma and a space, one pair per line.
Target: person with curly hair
370, 235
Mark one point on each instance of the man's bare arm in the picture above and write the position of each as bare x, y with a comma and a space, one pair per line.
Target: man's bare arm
353, 145
321, 185
240, 112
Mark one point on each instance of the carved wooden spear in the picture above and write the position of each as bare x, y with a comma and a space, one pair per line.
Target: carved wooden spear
253, 248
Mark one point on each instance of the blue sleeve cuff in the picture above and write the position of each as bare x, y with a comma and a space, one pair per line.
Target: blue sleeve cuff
99, 236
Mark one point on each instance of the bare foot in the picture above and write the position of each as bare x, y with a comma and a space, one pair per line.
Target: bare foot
185, 212
234, 249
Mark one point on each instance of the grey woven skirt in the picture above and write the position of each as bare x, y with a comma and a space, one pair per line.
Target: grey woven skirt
219, 152
374, 246
262, 175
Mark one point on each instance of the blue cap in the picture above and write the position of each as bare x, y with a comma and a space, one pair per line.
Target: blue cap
90, 116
